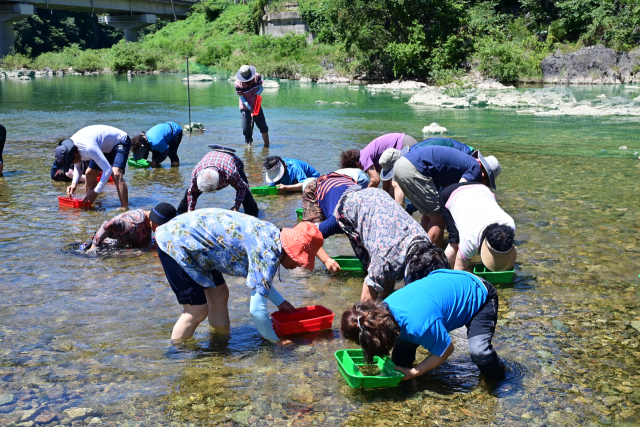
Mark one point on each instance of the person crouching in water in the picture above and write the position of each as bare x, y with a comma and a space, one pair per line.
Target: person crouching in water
422, 314
133, 228
162, 140
196, 248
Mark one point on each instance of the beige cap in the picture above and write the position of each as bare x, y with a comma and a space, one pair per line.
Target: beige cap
495, 260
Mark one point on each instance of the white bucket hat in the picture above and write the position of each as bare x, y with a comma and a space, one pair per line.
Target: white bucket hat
388, 159
246, 73
491, 165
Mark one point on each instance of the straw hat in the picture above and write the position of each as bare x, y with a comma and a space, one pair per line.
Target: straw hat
495, 260
302, 243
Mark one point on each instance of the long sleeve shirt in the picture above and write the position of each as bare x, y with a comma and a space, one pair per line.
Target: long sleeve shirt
92, 142
128, 228
249, 90
445, 165
228, 167
297, 171
329, 189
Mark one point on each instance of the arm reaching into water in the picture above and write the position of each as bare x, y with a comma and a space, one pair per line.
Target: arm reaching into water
431, 362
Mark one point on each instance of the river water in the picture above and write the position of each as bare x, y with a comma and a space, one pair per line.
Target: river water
86, 340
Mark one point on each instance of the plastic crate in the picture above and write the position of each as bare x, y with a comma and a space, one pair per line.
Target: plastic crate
72, 202
350, 360
303, 319
350, 264
299, 213
142, 163
265, 190
493, 277
110, 178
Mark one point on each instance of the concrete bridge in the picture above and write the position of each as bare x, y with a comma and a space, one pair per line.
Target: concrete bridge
129, 15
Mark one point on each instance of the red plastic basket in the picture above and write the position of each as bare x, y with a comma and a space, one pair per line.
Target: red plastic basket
256, 108
304, 319
100, 176
72, 202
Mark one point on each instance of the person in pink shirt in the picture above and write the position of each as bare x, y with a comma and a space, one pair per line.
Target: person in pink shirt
368, 159
248, 87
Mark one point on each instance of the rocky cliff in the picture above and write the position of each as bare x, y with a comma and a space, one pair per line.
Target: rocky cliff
592, 65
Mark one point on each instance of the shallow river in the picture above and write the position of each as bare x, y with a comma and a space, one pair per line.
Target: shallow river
86, 340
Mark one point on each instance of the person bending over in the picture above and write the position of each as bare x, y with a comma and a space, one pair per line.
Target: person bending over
215, 171
197, 248
476, 223
57, 174
248, 87
422, 314
368, 159
162, 140
288, 174
447, 142
383, 236
107, 149
422, 172
134, 228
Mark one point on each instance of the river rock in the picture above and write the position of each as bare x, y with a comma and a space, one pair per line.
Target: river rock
24, 78
635, 325
332, 78
199, 78
78, 413
434, 128
270, 84
305, 80
612, 400
6, 399
193, 127
45, 418
561, 327
591, 65
396, 85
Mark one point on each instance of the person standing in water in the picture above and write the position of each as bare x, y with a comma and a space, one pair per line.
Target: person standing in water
3, 137
248, 87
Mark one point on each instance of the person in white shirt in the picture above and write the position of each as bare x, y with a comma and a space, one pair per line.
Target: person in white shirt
477, 224
107, 149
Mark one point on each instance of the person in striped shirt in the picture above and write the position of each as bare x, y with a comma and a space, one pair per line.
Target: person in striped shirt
248, 87
215, 171
477, 224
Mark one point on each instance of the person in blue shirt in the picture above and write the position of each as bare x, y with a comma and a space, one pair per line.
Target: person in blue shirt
423, 171
288, 174
422, 314
162, 140
446, 142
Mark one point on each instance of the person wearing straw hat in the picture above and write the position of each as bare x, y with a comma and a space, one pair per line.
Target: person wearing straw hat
390, 244
476, 223
422, 171
197, 248
133, 228
162, 140
107, 149
423, 314
217, 170
248, 87
368, 159
288, 174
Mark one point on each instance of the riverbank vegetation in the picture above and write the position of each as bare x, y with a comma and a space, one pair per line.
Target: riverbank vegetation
429, 39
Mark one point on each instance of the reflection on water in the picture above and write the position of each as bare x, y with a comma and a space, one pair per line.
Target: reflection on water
86, 339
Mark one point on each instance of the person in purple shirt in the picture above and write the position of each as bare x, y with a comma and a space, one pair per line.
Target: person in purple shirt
423, 170
368, 159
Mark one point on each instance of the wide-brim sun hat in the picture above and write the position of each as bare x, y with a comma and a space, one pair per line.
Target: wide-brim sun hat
495, 260
139, 155
162, 213
491, 165
246, 73
388, 159
275, 173
64, 154
302, 243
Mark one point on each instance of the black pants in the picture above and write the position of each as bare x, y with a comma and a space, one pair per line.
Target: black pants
247, 128
174, 144
480, 330
3, 138
248, 203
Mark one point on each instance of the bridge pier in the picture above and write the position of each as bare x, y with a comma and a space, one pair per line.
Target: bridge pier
10, 13
129, 23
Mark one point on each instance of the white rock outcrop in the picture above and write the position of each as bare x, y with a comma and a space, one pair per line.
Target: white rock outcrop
434, 128
270, 84
332, 79
406, 85
200, 78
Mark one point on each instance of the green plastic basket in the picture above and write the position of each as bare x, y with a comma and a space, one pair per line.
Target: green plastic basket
493, 277
142, 163
350, 264
350, 360
265, 190
299, 213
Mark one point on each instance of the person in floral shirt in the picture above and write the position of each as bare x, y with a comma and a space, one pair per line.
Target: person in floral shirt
388, 241
198, 247
134, 228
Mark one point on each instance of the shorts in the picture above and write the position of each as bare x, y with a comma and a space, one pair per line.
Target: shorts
117, 158
187, 290
419, 188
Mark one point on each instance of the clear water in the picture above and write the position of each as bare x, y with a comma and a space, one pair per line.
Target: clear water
79, 332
